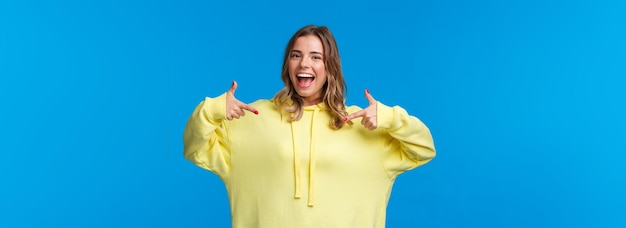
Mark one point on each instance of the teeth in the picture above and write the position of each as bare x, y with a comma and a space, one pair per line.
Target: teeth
305, 75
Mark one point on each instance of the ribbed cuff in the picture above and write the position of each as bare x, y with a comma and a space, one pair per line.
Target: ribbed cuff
385, 115
215, 108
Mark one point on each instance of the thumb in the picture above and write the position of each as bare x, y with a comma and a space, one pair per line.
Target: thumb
369, 97
233, 87
354, 115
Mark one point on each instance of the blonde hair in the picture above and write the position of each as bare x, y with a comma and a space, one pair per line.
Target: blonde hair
333, 90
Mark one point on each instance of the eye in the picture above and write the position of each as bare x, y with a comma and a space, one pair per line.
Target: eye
317, 57
295, 56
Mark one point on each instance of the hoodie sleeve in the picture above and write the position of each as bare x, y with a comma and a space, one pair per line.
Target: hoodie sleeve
411, 143
205, 139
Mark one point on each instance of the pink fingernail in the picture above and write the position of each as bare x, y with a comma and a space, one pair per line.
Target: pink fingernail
256, 112
345, 119
367, 91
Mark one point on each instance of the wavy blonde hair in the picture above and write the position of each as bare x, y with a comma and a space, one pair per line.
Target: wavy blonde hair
333, 90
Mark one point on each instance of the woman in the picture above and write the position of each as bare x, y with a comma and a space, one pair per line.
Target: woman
300, 161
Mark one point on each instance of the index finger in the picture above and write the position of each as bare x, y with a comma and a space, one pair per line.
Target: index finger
249, 108
354, 115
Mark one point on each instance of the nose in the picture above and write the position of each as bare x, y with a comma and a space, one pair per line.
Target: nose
305, 62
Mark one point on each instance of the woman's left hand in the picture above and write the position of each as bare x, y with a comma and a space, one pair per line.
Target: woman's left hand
368, 115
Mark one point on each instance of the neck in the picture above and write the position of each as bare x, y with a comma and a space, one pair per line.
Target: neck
311, 101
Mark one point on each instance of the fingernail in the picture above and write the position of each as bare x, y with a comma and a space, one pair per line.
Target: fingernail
345, 119
367, 91
256, 112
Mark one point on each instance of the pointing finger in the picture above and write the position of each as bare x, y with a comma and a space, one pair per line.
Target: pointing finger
369, 97
249, 108
354, 115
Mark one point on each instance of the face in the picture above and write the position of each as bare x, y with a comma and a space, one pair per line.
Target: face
306, 68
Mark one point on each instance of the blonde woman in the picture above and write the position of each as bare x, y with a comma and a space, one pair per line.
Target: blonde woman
298, 160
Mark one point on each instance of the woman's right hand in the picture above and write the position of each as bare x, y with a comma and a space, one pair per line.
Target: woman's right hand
234, 107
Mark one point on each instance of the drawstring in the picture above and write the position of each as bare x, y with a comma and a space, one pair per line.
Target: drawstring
312, 159
296, 160
296, 165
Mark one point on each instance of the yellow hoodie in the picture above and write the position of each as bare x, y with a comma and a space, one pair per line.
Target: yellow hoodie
303, 173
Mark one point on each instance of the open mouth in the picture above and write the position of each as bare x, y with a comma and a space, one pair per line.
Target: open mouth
305, 80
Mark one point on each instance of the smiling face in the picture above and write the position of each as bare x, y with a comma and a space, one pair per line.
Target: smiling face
307, 70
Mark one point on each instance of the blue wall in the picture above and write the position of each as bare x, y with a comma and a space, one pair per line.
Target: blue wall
525, 100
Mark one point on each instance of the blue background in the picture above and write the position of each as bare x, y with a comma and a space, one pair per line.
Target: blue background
525, 100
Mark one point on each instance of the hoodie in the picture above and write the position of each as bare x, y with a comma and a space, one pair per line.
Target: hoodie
281, 173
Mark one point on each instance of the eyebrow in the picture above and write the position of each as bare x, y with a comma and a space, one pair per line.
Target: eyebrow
313, 52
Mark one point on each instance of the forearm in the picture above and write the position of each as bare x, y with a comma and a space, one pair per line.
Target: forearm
415, 141
203, 133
